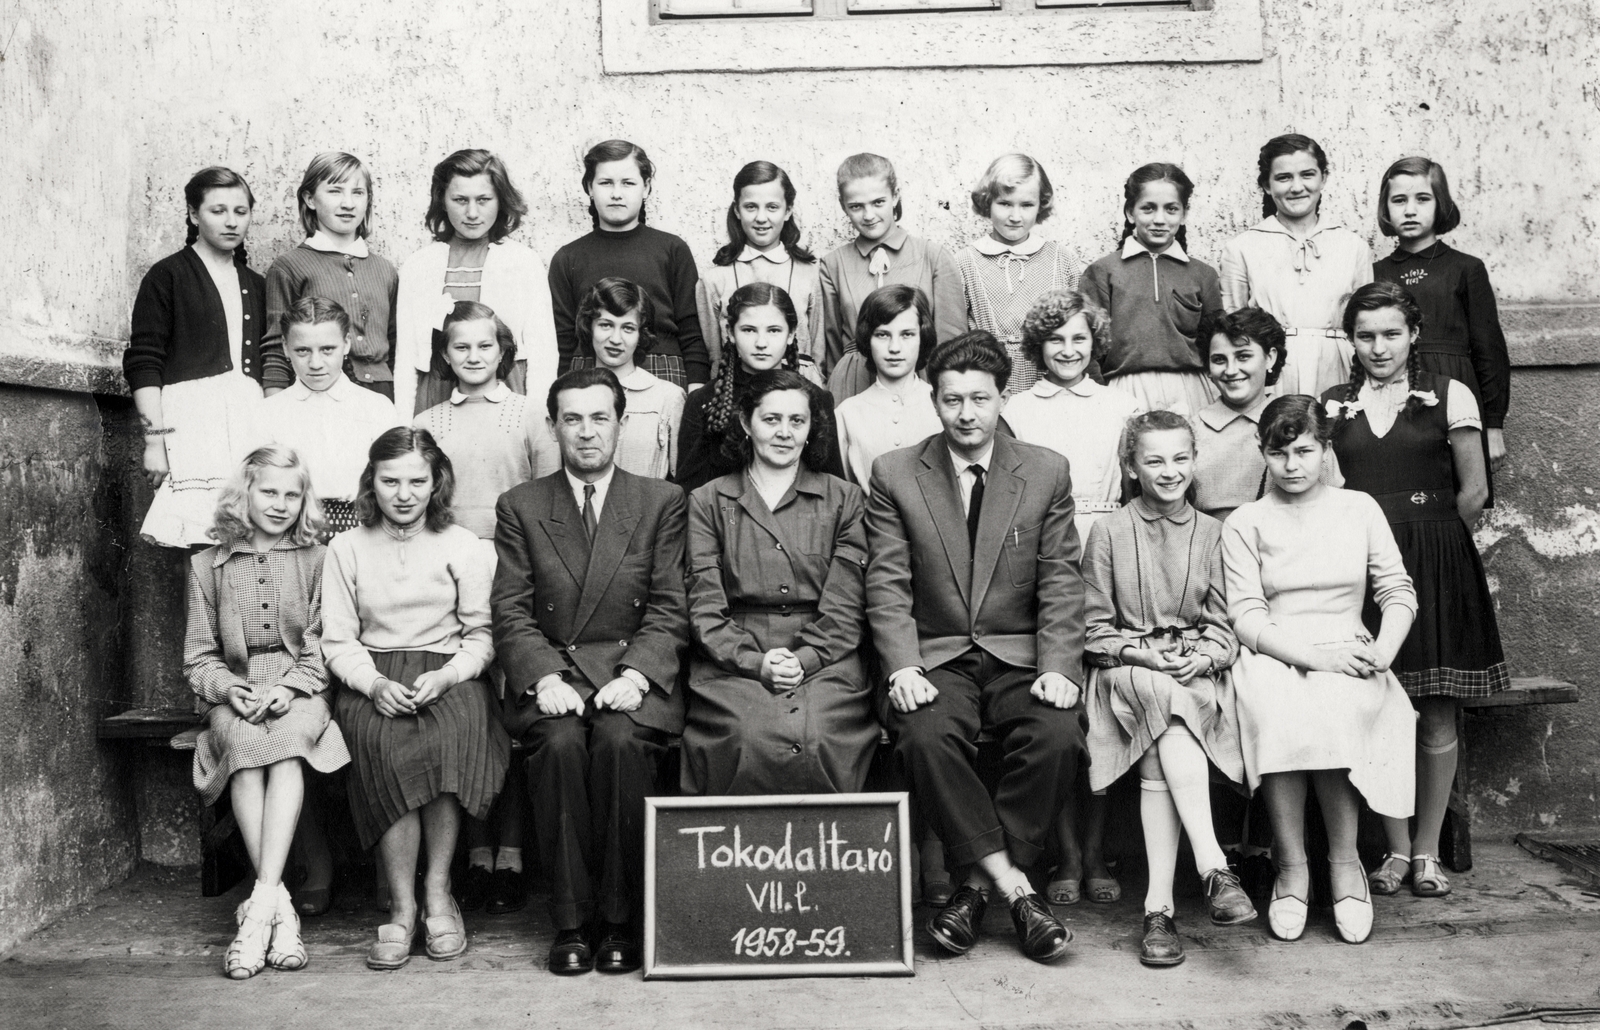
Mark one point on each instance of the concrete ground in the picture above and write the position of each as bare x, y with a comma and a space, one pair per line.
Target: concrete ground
1517, 944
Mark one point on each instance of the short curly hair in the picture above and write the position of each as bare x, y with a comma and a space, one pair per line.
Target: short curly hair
1247, 324
617, 297
1055, 309
1006, 173
976, 351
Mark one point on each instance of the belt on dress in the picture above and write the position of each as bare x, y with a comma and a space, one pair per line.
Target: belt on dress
773, 609
1094, 507
1418, 506
255, 649
1296, 330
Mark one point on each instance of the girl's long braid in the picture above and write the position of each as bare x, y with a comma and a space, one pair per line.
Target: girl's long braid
1413, 374
240, 256
1352, 389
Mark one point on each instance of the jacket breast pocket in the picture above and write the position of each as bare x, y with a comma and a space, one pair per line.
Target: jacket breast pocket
1021, 550
814, 533
1186, 310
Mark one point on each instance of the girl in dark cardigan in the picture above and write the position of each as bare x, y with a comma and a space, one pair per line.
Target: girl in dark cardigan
194, 359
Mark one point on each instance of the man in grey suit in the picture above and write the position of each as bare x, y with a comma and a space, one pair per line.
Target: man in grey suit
976, 605
590, 622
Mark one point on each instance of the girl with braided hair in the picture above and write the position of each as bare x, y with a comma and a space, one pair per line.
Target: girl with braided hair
1411, 439
762, 325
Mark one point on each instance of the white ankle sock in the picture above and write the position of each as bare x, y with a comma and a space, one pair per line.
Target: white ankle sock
481, 858
508, 858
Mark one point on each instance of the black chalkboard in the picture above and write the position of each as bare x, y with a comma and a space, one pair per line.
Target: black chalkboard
777, 885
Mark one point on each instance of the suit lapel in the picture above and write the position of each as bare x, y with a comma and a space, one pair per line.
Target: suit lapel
618, 518
563, 524
1002, 494
938, 483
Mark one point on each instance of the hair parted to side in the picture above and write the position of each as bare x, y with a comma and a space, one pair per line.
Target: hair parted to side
397, 443
1446, 215
231, 523
1006, 173
977, 351
1283, 146
1286, 419
886, 304
1054, 309
722, 405
815, 453
310, 310
332, 166
870, 166
215, 177
615, 150
1246, 324
472, 311
1377, 296
1156, 171
466, 164
758, 173
617, 297
1134, 430
582, 379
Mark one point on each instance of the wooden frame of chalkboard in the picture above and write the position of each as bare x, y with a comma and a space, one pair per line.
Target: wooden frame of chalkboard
846, 873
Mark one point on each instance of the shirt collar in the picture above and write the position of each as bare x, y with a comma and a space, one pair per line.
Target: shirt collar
778, 255
639, 379
1084, 387
1272, 225
991, 247
985, 460
1218, 416
325, 243
894, 240
1149, 514
600, 485
244, 546
1400, 255
1131, 247
495, 396
339, 391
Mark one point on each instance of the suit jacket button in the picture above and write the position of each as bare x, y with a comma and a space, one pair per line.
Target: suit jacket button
795, 748
780, 547
572, 647
549, 607
784, 589
622, 643
636, 602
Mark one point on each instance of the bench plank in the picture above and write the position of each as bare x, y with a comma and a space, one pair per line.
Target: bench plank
153, 723
1525, 690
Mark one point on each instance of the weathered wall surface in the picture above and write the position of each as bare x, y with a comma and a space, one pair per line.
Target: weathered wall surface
107, 108
65, 805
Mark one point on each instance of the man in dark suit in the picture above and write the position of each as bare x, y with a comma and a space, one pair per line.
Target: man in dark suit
976, 605
590, 622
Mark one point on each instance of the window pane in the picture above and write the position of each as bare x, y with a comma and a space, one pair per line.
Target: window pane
864, 6
730, 8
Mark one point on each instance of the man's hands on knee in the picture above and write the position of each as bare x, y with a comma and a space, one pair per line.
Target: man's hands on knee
910, 690
555, 696
1055, 690
620, 695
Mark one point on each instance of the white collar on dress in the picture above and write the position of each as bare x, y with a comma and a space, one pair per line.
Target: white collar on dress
1218, 416
1084, 387
495, 396
639, 379
1272, 225
988, 246
1132, 247
320, 240
778, 255
339, 391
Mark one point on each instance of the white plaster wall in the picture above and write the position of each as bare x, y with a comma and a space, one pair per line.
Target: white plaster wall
106, 108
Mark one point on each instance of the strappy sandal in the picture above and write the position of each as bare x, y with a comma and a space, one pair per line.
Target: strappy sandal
446, 935
247, 955
1103, 891
1385, 879
1429, 880
393, 947
285, 950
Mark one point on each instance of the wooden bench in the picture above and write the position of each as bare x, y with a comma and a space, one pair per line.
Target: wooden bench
179, 729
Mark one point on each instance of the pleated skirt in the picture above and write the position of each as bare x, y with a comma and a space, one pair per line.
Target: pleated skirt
1130, 706
1454, 647
1291, 720
1182, 392
230, 743
454, 746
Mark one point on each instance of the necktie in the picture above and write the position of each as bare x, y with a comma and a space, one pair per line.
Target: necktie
589, 520
975, 504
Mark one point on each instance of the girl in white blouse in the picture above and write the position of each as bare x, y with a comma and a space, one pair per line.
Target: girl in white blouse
617, 318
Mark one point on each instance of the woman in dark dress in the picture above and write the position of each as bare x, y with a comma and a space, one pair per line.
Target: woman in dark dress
777, 555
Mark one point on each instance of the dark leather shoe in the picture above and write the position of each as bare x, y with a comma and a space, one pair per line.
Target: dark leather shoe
473, 887
956, 925
570, 954
1161, 945
1229, 904
618, 951
506, 893
1043, 937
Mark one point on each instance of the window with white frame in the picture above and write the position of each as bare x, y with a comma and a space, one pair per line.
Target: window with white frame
646, 36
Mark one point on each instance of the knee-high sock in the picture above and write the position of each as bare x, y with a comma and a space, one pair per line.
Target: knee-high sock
1187, 771
1161, 828
1436, 774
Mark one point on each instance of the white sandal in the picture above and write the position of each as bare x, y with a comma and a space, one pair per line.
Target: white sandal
286, 951
247, 955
